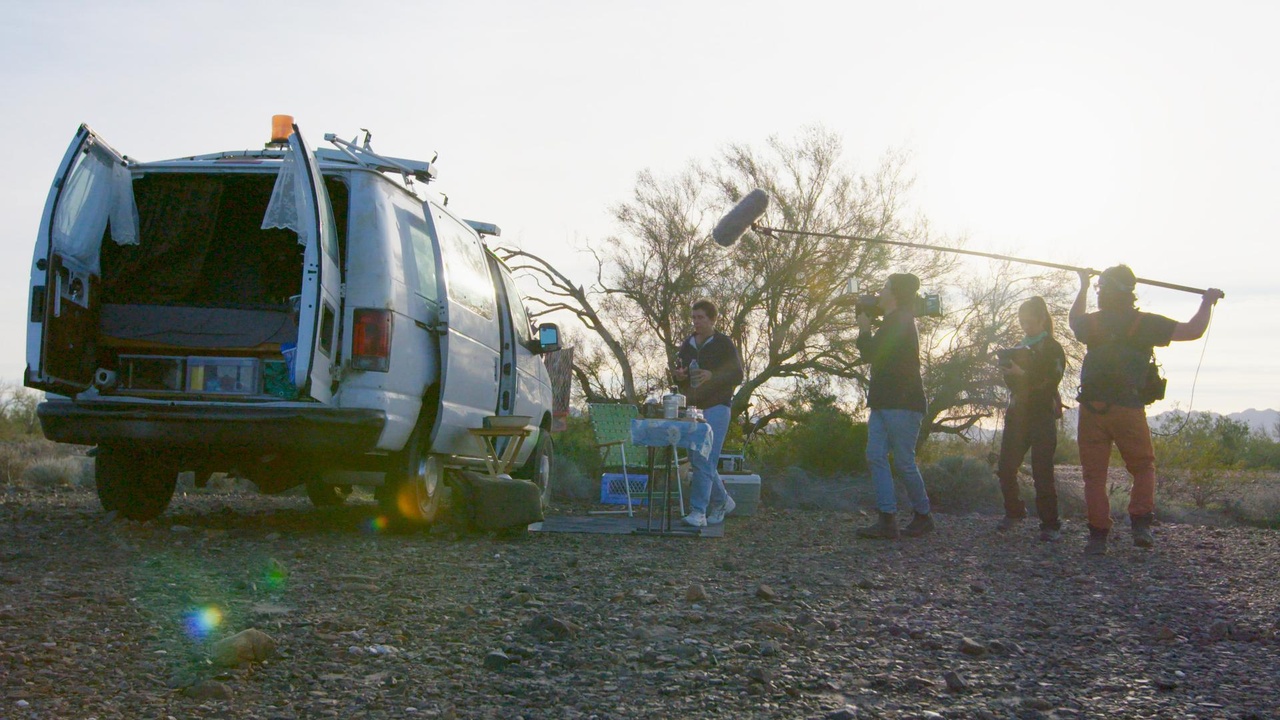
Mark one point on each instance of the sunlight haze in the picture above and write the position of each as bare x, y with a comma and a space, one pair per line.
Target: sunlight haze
1085, 134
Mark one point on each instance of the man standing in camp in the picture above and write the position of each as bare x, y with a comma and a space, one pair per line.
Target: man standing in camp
709, 369
1116, 383
896, 399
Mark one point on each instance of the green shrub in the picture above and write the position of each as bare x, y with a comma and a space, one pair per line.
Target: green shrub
794, 488
943, 445
18, 412
571, 483
1196, 453
962, 484
575, 449
1255, 502
1261, 452
824, 441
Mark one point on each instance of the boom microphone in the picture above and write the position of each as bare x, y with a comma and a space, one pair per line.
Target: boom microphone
750, 208
738, 220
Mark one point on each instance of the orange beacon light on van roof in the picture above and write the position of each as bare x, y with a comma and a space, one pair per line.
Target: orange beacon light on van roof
281, 128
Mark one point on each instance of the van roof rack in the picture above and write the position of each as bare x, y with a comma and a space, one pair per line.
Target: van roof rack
484, 228
365, 156
347, 152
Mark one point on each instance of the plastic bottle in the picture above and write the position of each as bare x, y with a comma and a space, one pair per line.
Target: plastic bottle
693, 368
670, 405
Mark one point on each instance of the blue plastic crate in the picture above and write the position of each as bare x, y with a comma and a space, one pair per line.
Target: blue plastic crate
614, 492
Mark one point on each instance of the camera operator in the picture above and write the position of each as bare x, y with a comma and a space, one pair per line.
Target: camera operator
1114, 385
896, 399
1032, 371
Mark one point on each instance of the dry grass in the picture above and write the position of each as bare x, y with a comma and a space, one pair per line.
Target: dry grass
59, 472
16, 456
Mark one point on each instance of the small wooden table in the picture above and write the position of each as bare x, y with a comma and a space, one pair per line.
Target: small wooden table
499, 463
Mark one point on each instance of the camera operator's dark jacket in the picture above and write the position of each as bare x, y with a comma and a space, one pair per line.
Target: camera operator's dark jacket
1118, 351
894, 353
719, 355
1036, 391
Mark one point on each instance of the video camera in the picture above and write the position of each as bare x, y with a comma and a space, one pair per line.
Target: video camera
926, 305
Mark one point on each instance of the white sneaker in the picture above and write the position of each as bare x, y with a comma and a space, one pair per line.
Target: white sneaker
716, 516
696, 518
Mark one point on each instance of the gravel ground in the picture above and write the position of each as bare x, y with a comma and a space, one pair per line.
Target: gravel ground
787, 616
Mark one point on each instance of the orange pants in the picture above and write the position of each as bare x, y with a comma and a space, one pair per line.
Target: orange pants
1127, 428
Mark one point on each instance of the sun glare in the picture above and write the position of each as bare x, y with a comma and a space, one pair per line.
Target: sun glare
1047, 150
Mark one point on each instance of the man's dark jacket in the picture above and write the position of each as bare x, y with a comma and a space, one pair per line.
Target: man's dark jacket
719, 355
894, 353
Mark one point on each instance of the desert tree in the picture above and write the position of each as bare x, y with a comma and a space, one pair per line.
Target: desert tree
783, 296
963, 386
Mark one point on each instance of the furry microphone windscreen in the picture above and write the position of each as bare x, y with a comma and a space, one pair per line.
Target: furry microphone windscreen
739, 219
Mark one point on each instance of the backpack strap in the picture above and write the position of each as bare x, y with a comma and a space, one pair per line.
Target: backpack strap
1133, 326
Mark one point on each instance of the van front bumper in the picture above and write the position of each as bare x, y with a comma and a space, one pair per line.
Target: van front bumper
313, 429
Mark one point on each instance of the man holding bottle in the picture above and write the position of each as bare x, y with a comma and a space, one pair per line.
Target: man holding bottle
708, 369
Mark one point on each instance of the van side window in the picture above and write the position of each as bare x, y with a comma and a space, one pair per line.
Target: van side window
466, 269
519, 316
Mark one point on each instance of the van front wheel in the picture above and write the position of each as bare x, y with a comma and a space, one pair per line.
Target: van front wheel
538, 468
134, 482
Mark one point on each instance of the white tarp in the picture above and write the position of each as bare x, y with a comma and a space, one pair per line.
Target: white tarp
282, 211
99, 190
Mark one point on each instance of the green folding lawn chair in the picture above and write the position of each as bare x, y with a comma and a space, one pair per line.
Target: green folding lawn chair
611, 424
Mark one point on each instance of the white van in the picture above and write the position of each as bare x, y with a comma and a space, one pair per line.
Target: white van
295, 316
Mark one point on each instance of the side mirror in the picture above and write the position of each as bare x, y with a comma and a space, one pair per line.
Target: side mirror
548, 338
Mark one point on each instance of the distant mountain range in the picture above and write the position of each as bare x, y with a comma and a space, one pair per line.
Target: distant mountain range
1264, 421
1258, 420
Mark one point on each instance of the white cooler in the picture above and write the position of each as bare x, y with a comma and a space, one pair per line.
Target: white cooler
745, 491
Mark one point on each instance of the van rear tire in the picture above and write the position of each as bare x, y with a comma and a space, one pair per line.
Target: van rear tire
413, 492
135, 482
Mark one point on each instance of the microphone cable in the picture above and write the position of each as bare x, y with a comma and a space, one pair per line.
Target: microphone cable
1194, 379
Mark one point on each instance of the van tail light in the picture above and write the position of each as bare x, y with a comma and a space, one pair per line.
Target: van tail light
371, 340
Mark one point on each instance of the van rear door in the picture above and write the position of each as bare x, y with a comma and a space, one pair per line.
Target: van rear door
320, 309
92, 190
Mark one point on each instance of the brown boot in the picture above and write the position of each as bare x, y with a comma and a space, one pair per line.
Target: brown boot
1142, 536
1097, 544
919, 526
885, 528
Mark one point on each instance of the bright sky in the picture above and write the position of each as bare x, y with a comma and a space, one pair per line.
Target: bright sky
1089, 133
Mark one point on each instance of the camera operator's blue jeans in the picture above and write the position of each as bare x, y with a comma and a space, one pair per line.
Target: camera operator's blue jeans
895, 430
708, 488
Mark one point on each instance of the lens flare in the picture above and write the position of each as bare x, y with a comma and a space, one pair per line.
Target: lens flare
274, 575
376, 524
202, 621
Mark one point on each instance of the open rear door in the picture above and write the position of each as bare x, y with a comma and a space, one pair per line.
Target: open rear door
93, 189
320, 308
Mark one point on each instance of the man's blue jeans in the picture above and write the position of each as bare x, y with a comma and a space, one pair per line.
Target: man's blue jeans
708, 488
895, 430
